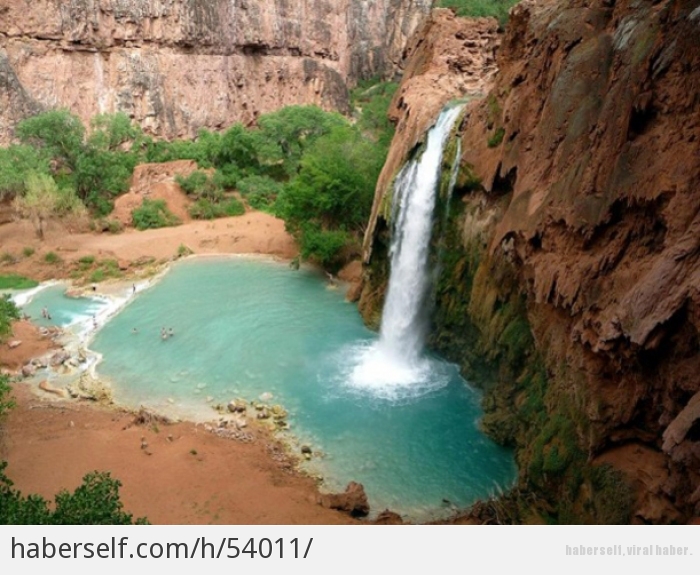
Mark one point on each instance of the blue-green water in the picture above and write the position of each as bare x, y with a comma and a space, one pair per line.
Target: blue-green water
68, 312
244, 327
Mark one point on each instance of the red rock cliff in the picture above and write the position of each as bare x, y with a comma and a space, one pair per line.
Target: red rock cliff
580, 189
178, 65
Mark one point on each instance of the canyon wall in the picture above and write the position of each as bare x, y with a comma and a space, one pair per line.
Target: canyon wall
569, 287
176, 66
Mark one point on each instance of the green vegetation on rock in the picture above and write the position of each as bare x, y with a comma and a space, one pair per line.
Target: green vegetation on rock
479, 8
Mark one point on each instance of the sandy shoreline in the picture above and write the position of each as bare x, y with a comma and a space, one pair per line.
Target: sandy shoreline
186, 474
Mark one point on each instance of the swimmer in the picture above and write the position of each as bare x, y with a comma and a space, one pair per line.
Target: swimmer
171, 332
134, 330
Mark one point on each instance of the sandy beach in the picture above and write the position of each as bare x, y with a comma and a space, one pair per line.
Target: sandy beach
176, 473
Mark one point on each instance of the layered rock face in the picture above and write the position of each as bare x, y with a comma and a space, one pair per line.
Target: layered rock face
179, 65
572, 277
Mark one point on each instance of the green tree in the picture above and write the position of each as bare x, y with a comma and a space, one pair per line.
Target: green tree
16, 163
58, 132
330, 199
284, 135
239, 147
109, 132
107, 160
101, 175
335, 183
39, 202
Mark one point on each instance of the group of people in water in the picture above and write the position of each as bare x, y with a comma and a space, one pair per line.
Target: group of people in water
45, 313
164, 333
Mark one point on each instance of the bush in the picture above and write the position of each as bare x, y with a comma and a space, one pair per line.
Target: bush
373, 99
27, 252
153, 214
6, 401
95, 502
260, 192
204, 209
52, 258
322, 246
192, 184
9, 312
108, 225
183, 250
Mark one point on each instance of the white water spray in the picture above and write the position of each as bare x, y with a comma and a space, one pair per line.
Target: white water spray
397, 358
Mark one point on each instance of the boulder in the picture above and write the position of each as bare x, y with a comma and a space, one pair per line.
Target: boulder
352, 501
28, 370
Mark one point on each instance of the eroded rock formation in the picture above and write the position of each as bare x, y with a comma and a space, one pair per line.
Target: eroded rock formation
179, 65
573, 268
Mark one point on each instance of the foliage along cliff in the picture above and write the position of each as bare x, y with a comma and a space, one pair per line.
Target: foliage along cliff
179, 65
571, 265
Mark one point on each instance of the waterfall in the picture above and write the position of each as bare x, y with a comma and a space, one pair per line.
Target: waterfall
396, 359
403, 324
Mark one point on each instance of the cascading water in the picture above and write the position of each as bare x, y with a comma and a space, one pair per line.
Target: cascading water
396, 359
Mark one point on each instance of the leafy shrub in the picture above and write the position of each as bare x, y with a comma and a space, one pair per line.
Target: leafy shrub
153, 214
323, 246
107, 225
27, 251
86, 260
6, 401
52, 258
8, 313
192, 184
183, 250
204, 209
260, 192
95, 502
227, 177
97, 276
373, 98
